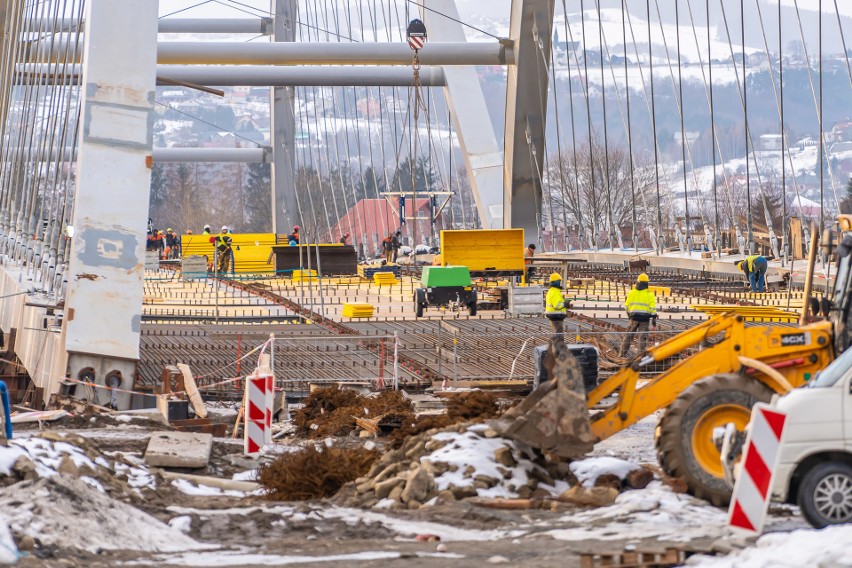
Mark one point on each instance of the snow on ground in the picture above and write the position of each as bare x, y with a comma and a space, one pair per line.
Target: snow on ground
588, 470
831, 546
244, 558
190, 488
653, 512
66, 512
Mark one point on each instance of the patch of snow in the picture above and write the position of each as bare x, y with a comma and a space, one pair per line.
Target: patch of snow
240, 558
8, 550
588, 470
68, 513
182, 523
248, 475
653, 512
92, 482
190, 488
831, 546
468, 449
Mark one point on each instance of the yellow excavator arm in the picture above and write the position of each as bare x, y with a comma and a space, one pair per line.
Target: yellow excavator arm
720, 343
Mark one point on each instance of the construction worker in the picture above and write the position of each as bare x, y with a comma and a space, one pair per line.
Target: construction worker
223, 247
207, 230
554, 303
641, 306
294, 236
755, 267
172, 244
387, 248
529, 253
396, 243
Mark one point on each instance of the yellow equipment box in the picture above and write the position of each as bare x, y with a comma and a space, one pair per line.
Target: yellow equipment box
304, 275
358, 310
384, 278
484, 250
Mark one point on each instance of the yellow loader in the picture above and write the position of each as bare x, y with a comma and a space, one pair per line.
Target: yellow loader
735, 365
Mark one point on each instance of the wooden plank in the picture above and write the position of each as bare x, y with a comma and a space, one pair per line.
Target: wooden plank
192, 391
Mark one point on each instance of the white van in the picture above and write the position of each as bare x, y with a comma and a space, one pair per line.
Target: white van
815, 464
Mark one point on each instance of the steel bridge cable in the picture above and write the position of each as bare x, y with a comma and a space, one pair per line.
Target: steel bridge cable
439, 13
661, 244
819, 115
208, 123
559, 157
611, 220
629, 130
185, 9
594, 216
779, 101
843, 41
542, 104
686, 151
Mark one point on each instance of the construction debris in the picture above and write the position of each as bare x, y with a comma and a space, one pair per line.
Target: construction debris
332, 411
178, 449
312, 473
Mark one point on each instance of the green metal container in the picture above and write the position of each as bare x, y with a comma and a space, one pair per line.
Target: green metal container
444, 276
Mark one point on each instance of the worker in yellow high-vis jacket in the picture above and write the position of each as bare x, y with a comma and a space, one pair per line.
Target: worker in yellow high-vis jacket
755, 267
554, 303
641, 306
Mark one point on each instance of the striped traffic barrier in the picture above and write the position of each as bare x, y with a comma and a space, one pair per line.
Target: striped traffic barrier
753, 488
258, 412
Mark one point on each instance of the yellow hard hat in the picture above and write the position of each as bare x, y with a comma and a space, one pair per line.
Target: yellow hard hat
642, 278
555, 277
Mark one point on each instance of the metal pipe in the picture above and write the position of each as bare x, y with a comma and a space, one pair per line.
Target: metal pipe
263, 75
230, 53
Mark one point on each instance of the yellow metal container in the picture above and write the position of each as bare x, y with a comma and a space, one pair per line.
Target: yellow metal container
358, 310
486, 249
252, 251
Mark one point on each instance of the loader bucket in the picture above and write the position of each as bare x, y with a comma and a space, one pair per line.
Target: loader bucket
553, 418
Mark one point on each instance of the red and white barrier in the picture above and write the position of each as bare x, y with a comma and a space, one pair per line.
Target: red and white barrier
753, 487
260, 388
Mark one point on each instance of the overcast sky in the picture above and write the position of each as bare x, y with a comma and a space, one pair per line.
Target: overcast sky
493, 15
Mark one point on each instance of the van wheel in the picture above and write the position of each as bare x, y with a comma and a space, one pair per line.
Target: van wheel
825, 494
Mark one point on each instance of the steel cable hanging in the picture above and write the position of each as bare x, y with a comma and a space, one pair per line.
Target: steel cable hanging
661, 245
542, 104
749, 137
559, 156
629, 129
843, 42
624, 122
577, 213
686, 151
611, 221
687, 226
594, 215
817, 110
779, 103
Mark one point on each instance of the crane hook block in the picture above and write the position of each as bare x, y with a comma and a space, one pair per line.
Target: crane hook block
416, 33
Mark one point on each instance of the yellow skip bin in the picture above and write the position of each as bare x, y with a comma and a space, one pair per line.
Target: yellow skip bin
358, 310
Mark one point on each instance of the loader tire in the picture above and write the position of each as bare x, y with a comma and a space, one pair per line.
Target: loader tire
684, 442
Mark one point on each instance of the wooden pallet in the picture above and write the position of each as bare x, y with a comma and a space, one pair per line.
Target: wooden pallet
634, 559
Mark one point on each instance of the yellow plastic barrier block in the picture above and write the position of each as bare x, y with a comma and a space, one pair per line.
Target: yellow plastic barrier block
384, 278
358, 310
304, 275
660, 290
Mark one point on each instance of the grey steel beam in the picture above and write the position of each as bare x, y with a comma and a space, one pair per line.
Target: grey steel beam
176, 25
282, 118
531, 28
103, 307
266, 75
480, 150
367, 53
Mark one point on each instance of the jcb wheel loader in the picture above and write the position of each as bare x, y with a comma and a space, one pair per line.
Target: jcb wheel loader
735, 365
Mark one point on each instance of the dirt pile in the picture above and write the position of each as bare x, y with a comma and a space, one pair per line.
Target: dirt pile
312, 473
333, 411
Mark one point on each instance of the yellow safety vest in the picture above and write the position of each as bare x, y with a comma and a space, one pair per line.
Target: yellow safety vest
750, 261
554, 302
641, 302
